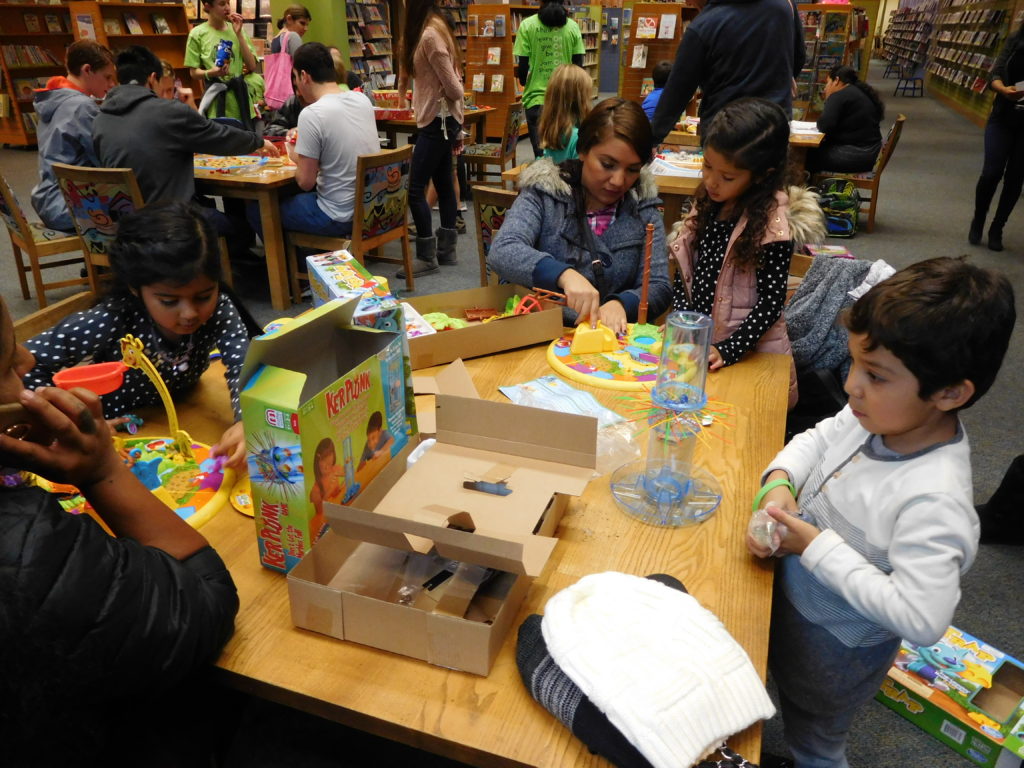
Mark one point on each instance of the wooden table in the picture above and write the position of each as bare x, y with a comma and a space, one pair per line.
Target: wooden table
799, 143
265, 186
473, 117
493, 721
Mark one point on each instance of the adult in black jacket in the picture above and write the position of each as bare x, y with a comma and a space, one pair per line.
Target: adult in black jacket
734, 48
850, 124
93, 627
1004, 145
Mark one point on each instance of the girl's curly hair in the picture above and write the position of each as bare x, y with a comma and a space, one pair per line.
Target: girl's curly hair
752, 134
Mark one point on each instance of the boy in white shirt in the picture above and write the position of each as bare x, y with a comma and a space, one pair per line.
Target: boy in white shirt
878, 499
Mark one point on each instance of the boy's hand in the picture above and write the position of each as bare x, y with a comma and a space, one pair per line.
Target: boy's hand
613, 315
221, 71
81, 453
798, 536
581, 296
231, 445
715, 360
236, 22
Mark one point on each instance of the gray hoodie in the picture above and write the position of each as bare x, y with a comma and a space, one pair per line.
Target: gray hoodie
65, 136
157, 138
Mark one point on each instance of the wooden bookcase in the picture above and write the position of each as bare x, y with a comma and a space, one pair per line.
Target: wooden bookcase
966, 39
371, 55
631, 78
31, 54
459, 12
108, 24
480, 49
588, 17
907, 37
833, 34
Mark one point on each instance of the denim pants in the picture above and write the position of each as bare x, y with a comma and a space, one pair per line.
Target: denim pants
300, 213
821, 683
1004, 159
533, 127
432, 161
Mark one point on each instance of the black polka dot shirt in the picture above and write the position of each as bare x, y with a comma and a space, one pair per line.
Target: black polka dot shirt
771, 287
94, 336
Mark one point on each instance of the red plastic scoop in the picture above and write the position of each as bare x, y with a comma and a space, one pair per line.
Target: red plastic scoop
100, 378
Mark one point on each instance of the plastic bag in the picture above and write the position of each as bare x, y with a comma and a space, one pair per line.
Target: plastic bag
615, 446
766, 530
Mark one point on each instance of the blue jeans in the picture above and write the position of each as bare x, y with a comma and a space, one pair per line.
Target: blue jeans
821, 683
432, 161
300, 213
1004, 159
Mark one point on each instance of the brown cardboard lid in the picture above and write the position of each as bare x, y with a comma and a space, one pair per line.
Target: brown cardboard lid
514, 554
453, 379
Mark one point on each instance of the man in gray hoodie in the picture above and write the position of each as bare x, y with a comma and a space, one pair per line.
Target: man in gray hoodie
66, 109
157, 137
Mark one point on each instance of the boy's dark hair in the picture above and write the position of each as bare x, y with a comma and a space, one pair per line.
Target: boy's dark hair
315, 59
376, 422
82, 52
945, 319
136, 63
660, 73
552, 14
165, 242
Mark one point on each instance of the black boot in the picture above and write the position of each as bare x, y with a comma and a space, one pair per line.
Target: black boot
1002, 519
995, 237
446, 240
977, 227
426, 256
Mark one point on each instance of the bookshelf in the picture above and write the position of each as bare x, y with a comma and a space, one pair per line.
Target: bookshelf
260, 23
458, 11
907, 35
833, 34
966, 39
651, 34
491, 30
32, 43
588, 17
369, 38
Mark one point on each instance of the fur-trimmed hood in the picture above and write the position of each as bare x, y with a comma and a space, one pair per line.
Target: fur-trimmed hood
803, 213
548, 177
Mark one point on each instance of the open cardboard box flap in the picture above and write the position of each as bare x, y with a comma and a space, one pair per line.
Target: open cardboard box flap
519, 554
453, 379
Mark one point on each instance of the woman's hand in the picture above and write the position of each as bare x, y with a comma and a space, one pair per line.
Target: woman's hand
231, 445
613, 315
81, 453
715, 360
580, 295
1011, 93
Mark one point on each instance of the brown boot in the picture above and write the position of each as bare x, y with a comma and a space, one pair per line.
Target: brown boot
426, 258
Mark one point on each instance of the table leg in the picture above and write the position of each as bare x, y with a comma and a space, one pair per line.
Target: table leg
273, 243
481, 132
798, 163
673, 205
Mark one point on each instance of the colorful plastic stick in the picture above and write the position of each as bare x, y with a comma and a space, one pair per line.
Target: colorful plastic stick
648, 245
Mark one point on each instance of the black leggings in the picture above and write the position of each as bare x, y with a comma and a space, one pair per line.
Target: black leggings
432, 161
1004, 159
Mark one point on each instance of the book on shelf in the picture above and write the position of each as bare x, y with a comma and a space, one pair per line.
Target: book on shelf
248, 9
32, 23
191, 9
25, 87
646, 27
667, 26
112, 26
639, 57
53, 23
478, 82
646, 86
494, 55
488, 28
499, 26
131, 21
160, 25
473, 25
497, 83
6, 106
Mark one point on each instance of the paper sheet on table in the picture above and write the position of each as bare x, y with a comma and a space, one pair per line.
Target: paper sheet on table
804, 128
662, 167
553, 394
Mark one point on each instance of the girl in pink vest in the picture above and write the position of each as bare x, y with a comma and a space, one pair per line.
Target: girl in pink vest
734, 247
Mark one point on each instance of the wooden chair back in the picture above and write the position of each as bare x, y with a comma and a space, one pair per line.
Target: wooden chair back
889, 144
491, 205
38, 242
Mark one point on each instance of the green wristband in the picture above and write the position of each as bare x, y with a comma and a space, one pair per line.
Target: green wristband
771, 486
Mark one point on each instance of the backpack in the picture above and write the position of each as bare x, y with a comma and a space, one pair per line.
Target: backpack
277, 72
840, 202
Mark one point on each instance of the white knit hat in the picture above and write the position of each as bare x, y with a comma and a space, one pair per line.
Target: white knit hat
663, 669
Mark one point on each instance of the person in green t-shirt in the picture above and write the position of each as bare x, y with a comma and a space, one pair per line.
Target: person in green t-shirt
543, 42
201, 54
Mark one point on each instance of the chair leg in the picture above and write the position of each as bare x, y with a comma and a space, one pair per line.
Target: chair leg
22, 271
37, 279
871, 209
225, 264
292, 261
407, 259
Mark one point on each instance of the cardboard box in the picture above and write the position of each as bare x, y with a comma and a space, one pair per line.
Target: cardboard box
339, 275
480, 338
965, 693
325, 403
369, 580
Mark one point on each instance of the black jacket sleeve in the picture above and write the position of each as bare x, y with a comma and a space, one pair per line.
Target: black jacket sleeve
799, 52
687, 73
832, 115
212, 137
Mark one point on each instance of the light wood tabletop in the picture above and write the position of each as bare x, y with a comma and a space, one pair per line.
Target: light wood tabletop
263, 184
473, 116
799, 143
492, 720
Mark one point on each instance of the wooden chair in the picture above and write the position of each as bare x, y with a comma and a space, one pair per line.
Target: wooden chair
380, 216
38, 242
869, 180
97, 199
491, 205
479, 156
44, 319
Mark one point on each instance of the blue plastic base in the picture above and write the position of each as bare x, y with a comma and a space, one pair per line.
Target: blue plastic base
656, 494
